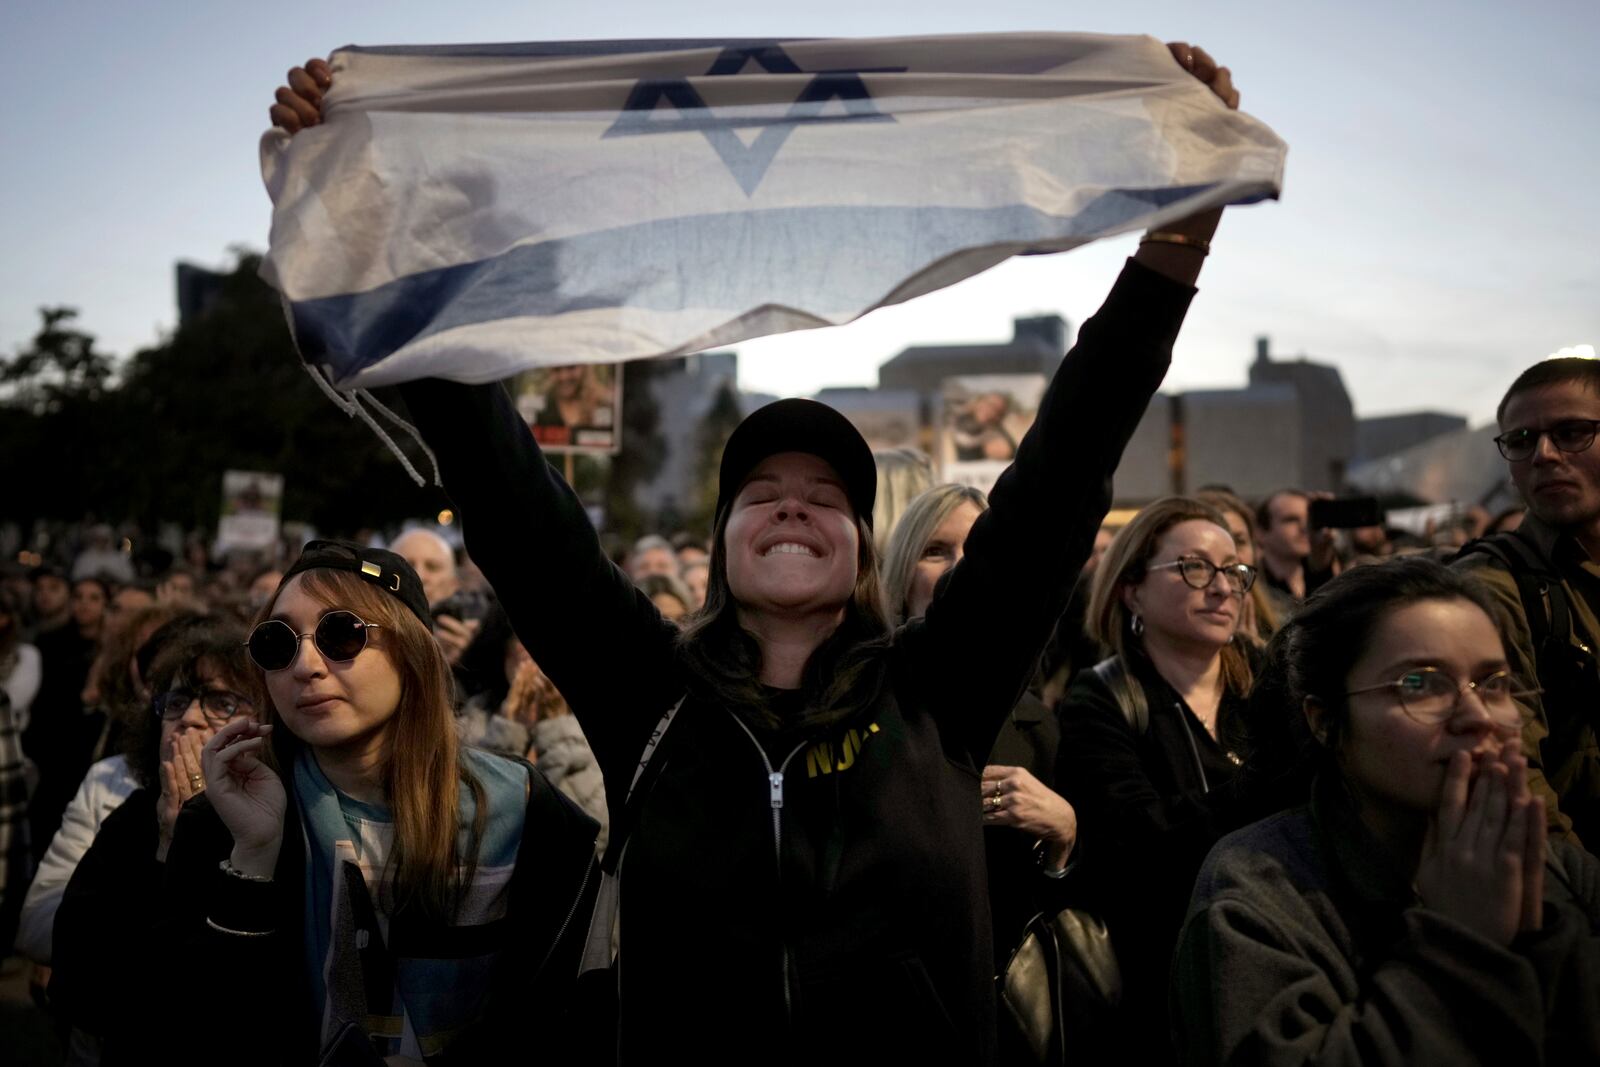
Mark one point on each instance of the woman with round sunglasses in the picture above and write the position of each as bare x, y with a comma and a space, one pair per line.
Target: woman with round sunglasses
373, 872
804, 875
1407, 909
111, 922
1147, 750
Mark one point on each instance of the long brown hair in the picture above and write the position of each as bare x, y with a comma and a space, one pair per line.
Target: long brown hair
843, 675
1124, 565
422, 756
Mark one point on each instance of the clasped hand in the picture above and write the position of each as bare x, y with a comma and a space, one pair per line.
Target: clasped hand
1483, 856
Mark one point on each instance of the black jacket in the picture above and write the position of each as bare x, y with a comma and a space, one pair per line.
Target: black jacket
552, 893
1030, 738
838, 914
108, 930
1150, 806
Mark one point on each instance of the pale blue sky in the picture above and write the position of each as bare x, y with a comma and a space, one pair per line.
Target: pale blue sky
1438, 230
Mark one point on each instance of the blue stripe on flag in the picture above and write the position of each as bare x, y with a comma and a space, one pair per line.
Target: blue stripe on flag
646, 266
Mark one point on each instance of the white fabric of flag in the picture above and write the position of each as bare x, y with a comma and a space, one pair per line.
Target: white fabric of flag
470, 211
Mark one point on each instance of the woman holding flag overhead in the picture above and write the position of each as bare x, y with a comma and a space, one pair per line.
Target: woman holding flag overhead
805, 871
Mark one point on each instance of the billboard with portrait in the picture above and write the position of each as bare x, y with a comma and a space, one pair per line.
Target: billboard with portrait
576, 407
984, 418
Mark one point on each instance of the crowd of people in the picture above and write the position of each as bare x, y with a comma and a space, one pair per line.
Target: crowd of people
875, 770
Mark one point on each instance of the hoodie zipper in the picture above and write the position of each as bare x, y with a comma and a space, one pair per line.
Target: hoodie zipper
775, 797
588, 872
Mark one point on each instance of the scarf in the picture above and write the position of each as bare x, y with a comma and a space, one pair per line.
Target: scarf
411, 984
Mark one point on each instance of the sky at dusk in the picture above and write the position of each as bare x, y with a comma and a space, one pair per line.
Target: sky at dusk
1438, 229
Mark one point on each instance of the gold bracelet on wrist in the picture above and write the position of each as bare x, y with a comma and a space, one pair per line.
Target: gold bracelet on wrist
1164, 237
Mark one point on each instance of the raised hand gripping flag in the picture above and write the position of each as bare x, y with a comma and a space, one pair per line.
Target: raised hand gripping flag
470, 211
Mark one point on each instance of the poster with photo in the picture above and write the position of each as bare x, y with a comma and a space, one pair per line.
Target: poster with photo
984, 417
574, 408
251, 501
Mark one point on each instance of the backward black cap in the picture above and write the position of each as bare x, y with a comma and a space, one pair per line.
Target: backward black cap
797, 425
382, 568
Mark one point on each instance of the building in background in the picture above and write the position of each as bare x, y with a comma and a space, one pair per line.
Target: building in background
1384, 435
1327, 437
1037, 346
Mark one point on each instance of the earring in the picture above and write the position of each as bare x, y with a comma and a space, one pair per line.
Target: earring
1137, 625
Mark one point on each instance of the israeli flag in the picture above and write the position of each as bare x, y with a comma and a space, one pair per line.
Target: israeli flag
471, 211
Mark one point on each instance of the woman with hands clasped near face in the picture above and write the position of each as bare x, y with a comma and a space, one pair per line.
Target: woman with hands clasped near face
1411, 912
112, 922
358, 859
804, 877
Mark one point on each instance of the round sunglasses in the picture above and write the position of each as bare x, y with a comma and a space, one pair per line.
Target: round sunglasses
340, 636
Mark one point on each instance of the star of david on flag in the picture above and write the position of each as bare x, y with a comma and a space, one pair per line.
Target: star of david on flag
471, 211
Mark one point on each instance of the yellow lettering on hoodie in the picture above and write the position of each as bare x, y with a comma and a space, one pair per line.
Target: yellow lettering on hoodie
820, 758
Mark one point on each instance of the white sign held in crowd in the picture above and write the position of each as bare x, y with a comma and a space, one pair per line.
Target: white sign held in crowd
471, 211
250, 504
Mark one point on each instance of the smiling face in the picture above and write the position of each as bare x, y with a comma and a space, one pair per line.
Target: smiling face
326, 703
1393, 763
1561, 488
942, 552
791, 540
1173, 610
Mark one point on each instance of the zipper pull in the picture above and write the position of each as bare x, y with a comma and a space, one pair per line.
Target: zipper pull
775, 781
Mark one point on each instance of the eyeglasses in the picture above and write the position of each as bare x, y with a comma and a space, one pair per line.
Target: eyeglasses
1200, 573
1430, 696
340, 636
1573, 435
219, 705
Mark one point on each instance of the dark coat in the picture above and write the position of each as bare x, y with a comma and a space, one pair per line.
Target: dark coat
1018, 890
839, 913
1150, 806
109, 926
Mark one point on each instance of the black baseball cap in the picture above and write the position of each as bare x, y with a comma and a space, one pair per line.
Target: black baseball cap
382, 568
797, 425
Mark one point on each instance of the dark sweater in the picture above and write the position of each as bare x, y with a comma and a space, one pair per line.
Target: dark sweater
1305, 945
842, 916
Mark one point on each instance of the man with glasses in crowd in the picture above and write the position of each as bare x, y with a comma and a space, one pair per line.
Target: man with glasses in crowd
1546, 575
